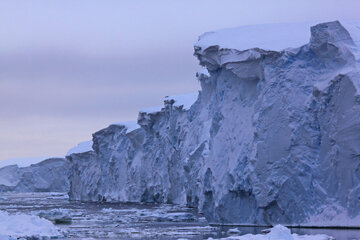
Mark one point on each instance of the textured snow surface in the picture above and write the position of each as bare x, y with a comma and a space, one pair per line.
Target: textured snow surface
185, 100
272, 138
22, 225
23, 162
279, 232
81, 147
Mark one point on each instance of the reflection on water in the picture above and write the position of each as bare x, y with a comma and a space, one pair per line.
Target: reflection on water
79, 220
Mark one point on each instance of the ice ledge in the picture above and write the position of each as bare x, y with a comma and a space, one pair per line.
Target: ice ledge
251, 43
275, 37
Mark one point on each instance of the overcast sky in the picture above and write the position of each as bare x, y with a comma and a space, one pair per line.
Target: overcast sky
70, 68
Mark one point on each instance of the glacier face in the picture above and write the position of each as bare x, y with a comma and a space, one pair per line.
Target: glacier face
273, 137
50, 175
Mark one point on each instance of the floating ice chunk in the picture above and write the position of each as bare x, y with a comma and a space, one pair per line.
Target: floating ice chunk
233, 231
184, 100
81, 147
279, 232
57, 216
22, 225
130, 125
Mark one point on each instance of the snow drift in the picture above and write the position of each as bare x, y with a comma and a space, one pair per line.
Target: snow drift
272, 137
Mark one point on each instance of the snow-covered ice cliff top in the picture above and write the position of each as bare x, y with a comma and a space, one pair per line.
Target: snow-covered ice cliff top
130, 125
184, 100
81, 147
275, 37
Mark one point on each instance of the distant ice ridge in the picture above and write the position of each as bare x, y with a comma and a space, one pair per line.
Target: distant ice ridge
23, 162
50, 175
273, 137
22, 226
279, 232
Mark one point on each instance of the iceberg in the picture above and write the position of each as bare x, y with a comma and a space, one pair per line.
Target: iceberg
50, 175
273, 137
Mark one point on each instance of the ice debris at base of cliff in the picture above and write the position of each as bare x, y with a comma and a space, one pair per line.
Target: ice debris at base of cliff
273, 136
24, 226
279, 232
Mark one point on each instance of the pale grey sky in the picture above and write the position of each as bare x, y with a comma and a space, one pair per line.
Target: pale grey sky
70, 68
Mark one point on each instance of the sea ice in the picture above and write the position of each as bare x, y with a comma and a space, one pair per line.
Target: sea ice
23, 225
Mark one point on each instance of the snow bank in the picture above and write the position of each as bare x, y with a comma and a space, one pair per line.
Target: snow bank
81, 147
279, 232
184, 100
23, 162
22, 225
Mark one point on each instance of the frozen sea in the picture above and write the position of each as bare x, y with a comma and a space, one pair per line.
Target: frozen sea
81, 220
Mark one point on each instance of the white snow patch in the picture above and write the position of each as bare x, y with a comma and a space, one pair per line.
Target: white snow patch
152, 110
130, 125
279, 232
275, 37
184, 100
203, 72
22, 225
81, 147
266, 36
24, 162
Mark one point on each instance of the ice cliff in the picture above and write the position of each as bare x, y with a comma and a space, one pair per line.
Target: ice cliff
50, 175
272, 137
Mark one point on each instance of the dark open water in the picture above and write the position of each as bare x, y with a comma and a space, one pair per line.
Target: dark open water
81, 220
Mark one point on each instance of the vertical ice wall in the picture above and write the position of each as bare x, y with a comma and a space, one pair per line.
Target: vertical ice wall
273, 136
